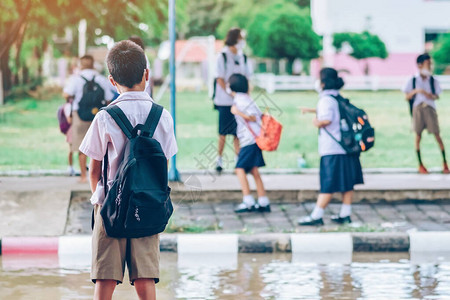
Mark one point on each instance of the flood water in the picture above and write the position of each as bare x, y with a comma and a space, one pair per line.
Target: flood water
243, 276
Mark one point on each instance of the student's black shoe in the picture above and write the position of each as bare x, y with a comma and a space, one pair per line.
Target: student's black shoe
337, 219
219, 169
243, 208
264, 208
308, 221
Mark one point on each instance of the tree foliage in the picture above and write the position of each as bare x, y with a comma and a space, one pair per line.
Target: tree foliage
442, 50
283, 30
363, 45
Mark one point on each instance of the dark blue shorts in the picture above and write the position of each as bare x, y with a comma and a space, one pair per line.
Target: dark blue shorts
249, 157
227, 121
340, 173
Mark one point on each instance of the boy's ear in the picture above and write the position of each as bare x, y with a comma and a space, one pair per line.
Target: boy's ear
111, 79
146, 74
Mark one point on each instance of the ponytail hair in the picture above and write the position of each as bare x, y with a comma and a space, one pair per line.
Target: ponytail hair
330, 79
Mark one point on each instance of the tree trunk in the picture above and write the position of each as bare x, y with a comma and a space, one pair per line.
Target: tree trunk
6, 72
19, 43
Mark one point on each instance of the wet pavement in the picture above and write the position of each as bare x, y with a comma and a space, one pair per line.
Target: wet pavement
246, 276
198, 217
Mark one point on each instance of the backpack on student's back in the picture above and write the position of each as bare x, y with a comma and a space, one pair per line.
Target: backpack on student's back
357, 135
64, 124
138, 203
92, 101
411, 101
224, 55
270, 133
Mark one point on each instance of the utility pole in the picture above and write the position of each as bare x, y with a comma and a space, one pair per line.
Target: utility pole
173, 172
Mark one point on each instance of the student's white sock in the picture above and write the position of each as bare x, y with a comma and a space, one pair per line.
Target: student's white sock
317, 213
263, 201
219, 161
346, 210
249, 200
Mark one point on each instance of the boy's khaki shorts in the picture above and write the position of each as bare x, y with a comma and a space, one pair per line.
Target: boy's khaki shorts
425, 117
109, 255
79, 129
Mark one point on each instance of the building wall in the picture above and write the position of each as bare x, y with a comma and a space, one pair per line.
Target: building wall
401, 24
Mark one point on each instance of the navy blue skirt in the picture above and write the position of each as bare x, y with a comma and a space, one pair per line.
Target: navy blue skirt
340, 173
227, 121
249, 157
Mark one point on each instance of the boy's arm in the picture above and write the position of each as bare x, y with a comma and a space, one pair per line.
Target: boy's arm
236, 111
308, 110
95, 173
321, 124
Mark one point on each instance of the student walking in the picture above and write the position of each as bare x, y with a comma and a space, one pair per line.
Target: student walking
109, 255
77, 88
250, 158
230, 61
339, 171
422, 91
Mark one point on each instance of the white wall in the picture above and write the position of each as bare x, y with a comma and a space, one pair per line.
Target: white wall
401, 24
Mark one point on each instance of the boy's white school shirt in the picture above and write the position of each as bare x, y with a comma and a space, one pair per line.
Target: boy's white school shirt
235, 64
76, 84
246, 105
425, 85
105, 133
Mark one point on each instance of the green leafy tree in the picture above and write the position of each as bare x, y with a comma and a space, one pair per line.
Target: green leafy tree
441, 52
363, 45
283, 30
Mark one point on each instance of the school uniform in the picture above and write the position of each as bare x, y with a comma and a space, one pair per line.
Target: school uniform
250, 155
339, 171
110, 254
75, 88
424, 109
235, 64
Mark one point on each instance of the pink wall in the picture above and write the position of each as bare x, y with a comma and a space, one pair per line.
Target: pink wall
397, 64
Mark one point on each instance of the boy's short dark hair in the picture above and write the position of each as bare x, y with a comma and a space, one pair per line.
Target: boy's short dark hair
87, 61
422, 58
233, 36
238, 83
126, 63
137, 40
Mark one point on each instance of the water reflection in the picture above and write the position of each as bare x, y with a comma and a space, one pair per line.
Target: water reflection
246, 276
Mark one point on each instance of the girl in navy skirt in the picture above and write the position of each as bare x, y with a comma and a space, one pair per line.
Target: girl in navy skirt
339, 171
248, 119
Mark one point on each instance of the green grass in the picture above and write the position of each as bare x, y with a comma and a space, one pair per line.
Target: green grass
30, 137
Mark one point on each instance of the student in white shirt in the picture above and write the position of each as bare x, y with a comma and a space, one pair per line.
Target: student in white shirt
74, 89
248, 118
230, 61
339, 171
422, 96
110, 255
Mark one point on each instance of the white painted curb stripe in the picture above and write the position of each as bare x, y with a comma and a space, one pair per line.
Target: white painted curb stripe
429, 241
321, 242
207, 243
78, 244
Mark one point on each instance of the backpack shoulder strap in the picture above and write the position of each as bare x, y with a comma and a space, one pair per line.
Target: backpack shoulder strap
84, 78
433, 88
224, 55
152, 120
414, 82
245, 59
119, 117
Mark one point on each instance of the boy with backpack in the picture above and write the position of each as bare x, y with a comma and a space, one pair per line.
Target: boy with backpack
230, 61
250, 158
421, 92
90, 92
135, 139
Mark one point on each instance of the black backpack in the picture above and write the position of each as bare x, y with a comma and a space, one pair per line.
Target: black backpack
357, 135
224, 55
92, 101
411, 102
138, 203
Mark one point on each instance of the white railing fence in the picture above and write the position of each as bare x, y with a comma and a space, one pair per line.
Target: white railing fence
272, 83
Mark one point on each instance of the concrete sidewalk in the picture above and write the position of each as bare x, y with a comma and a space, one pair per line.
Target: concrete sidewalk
40, 206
